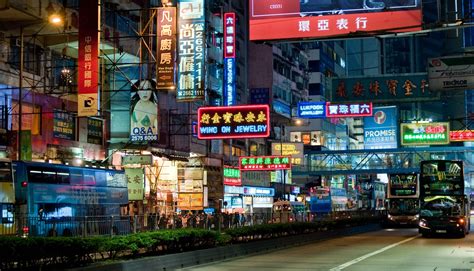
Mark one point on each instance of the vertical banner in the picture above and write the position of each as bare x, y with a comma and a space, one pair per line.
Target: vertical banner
166, 50
88, 58
135, 183
64, 125
191, 51
95, 131
144, 111
229, 81
229, 35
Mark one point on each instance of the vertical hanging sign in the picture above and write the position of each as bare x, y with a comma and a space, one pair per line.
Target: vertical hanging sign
88, 58
229, 59
165, 71
191, 23
229, 35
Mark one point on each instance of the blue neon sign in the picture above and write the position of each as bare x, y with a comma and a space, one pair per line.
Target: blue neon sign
229, 81
312, 110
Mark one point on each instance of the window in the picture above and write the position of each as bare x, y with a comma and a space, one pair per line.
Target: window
48, 175
6, 213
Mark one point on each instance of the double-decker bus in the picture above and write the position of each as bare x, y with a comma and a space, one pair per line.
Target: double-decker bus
7, 198
55, 199
445, 205
403, 199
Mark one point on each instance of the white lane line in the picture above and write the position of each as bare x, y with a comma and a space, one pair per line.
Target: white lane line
361, 258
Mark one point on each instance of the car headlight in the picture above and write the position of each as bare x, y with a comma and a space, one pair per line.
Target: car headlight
423, 224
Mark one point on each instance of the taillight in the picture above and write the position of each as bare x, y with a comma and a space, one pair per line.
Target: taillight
26, 229
24, 184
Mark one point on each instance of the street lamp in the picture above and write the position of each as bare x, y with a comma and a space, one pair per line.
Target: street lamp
54, 18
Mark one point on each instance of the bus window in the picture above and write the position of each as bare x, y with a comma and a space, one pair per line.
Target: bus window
63, 176
88, 177
6, 211
39, 175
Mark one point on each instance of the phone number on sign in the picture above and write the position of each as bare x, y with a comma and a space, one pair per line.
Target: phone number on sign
143, 137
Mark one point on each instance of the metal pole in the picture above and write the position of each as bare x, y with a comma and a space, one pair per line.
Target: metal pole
20, 93
283, 170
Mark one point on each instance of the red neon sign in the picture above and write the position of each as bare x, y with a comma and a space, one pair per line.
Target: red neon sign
251, 163
291, 19
245, 121
466, 135
229, 35
348, 110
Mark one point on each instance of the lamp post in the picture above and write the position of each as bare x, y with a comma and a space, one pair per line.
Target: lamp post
54, 19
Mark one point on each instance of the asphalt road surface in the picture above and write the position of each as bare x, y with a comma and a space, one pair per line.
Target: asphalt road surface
389, 249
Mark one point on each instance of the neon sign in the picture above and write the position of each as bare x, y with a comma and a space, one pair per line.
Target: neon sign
435, 133
312, 110
264, 162
247, 121
232, 176
466, 135
348, 110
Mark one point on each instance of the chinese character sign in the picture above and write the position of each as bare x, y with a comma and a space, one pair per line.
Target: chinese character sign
383, 88
415, 134
191, 29
381, 129
464, 135
95, 131
166, 48
248, 121
135, 183
88, 58
144, 111
64, 125
348, 110
229, 35
232, 176
264, 162
291, 19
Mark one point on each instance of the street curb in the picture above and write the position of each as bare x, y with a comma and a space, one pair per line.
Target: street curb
204, 256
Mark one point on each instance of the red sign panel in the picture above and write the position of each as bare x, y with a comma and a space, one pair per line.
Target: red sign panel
88, 58
229, 35
466, 135
348, 110
290, 19
251, 163
246, 121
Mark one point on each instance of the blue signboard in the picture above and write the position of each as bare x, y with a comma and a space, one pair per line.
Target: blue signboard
381, 129
64, 125
312, 110
229, 81
259, 191
259, 96
320, 204
282, 108
191, 50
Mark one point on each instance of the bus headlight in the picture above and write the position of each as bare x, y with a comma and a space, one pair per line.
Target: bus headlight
423, 224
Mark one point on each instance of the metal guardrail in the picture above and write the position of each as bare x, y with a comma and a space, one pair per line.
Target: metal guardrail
121, 225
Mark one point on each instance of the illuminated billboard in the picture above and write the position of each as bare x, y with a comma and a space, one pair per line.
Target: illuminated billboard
348, 110
435, 133
295, 150
381, 129
232, 176
246, 121
464, 135
298, 19
191, 39
166, 49
264, 162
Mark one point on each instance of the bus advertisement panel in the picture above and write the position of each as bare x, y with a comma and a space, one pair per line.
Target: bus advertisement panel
403, 186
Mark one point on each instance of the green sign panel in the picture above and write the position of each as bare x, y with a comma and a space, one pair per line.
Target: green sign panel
415, 134
231, 172
265, 162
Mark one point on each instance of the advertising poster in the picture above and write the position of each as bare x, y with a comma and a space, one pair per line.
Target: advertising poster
95, 131
144, 111
190, 201
166, 50
64, 125
381, 129
88, 58
451, 73
191, 38
293, 19
295, 150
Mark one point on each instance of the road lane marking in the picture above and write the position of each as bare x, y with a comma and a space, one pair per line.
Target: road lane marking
361, 258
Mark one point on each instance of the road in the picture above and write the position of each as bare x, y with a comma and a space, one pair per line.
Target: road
389, 249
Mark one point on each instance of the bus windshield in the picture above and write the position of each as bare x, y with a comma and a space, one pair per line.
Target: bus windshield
403, 207
442, 206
